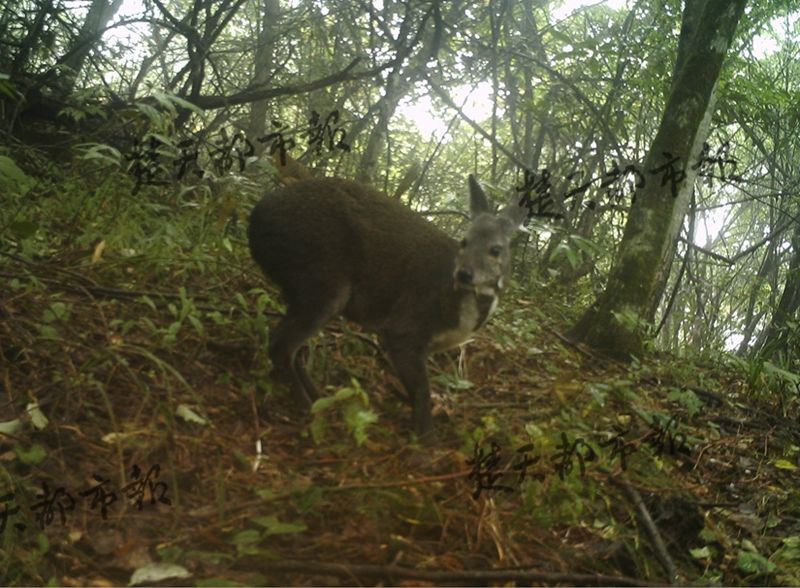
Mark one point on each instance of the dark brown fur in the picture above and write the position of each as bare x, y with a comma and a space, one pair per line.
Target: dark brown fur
338, 247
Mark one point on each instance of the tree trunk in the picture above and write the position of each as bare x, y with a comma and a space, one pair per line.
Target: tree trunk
751, 317
614, 323
100, 12
31, 40
394, 91
776, 339
262, 70
690, 22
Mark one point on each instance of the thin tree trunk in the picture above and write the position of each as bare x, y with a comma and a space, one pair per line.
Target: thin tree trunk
394, 91
29, 43
776, 340
100, 13
262, 70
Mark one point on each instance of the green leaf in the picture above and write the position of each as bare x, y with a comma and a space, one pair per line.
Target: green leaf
319, 428
105, 154
754, 563
189, 415
164, 100
151, 113
35, 455
358, 420
789, 551
590, 248
48, 332
76, 114
452, 382
11, 427
322, 404
12, 177
42, 543
345, 393
701, 553
781, 374
59, 310
172, 98
37, 416
686, 398
163, 139
274, 527
784, 464
149, 302
23, 229
198, 326
247, 537
246, 542
10, 170
7, 88
266, 493
172, 333
157, 572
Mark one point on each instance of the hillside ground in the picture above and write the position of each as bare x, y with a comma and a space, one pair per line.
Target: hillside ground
143, 440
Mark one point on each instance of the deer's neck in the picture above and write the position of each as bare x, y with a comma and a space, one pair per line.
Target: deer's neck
468, 312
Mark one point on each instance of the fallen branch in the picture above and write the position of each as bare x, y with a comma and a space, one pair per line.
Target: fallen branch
650, 527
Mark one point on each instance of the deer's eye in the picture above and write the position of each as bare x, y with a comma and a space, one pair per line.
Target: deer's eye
496, 251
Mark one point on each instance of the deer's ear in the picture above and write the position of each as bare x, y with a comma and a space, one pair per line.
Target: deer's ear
478, 202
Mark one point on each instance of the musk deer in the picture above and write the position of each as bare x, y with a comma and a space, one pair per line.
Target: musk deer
339, 247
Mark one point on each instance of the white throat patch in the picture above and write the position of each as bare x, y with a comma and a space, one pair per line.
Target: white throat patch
470, 319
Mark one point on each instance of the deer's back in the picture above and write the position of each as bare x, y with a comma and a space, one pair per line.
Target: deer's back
321, 232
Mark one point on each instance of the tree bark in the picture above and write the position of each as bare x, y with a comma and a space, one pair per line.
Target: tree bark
262, 70
31, 40
100, 12
615, 323
394, 91
776, 340
690, 22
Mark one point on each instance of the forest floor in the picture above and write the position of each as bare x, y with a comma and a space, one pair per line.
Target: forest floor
143, 441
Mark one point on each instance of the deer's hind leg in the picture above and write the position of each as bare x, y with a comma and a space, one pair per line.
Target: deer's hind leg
305, 317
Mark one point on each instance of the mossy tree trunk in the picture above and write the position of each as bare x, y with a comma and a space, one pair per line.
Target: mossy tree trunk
615, 323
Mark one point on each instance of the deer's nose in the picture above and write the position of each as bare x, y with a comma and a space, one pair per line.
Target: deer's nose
464, 276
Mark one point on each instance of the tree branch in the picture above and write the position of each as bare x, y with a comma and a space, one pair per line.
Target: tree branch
445, 97
252, 94
748, 251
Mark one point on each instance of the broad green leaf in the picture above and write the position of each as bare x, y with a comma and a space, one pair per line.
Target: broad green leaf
247, 537
754, 563
11, 427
